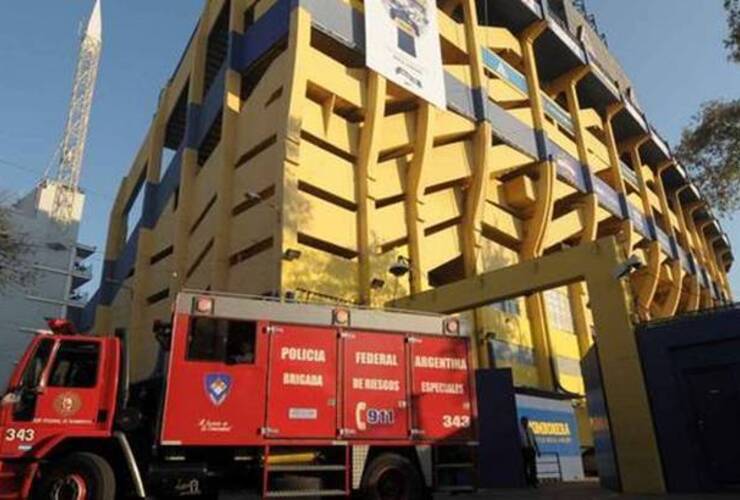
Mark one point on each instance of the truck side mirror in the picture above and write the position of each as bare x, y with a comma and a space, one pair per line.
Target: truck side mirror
12, 397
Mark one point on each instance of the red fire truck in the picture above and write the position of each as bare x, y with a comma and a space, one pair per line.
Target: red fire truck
285, 399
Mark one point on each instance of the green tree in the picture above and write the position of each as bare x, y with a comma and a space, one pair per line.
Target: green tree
732, 42
710, 149
710, 144
15, 251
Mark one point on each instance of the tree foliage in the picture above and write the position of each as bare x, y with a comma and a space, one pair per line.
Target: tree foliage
710, 145
710, 149
732, 42
15, 251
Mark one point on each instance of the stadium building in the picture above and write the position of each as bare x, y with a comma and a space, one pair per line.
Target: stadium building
278, 164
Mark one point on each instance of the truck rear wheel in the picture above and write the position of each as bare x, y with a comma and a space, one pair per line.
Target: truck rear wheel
392, 477
78, 476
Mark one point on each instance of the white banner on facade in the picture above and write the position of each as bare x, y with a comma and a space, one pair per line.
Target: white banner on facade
402, 44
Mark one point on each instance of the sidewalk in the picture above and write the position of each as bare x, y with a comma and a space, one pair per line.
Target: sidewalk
575, 491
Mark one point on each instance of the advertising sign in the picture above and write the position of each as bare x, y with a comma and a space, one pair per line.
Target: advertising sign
402, 38
555, 428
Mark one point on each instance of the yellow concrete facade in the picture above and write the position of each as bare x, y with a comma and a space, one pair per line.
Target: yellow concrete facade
316, 174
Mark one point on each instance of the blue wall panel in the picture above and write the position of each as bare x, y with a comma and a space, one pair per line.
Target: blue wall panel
672, 353
598, 412
269, 29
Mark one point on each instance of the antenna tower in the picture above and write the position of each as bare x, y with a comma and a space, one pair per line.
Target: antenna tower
72, 147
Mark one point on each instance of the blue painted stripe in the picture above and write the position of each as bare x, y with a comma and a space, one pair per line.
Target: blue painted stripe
664, 240
568, 168
608, 197
149, 214
509, 353
192, 126
460, 97
212, 106
693, 264
504, 70
87, 317
629, 174
639, 220
511, 130
507, 73
554, 111
674, 248
512, 353
683, 256
543, 144
168, 184
127, 259
268, 30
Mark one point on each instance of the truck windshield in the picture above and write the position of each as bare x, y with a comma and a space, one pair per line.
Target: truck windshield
35, 368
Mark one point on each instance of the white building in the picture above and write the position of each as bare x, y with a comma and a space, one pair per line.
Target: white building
58, 264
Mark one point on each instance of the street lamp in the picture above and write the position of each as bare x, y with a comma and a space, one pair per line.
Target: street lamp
400, 268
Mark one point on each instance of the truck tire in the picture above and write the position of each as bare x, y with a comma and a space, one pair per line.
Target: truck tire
78, 476
392, 477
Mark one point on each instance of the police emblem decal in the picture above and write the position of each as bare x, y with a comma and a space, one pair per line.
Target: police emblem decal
217, 387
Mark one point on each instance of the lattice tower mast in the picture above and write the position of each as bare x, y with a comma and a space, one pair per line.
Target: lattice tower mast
72, 147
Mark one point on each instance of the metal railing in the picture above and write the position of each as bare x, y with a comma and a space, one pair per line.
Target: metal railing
549, 467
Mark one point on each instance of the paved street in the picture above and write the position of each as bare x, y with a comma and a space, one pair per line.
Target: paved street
574, 491
564, 491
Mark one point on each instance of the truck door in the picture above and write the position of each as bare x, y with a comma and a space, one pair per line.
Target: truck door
60, 387
26, 387
216, 382
375, 397
441, 392
302, 383
72, 396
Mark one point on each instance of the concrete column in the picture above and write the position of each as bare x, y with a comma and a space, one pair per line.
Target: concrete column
225, 200
189, 166
542, 214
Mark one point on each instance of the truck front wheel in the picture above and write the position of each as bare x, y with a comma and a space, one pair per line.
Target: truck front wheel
392, 477
78, 476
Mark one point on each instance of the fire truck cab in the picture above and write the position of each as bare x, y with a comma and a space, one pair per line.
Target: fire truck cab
284, 399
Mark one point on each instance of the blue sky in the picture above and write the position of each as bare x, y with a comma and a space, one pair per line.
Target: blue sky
672, 50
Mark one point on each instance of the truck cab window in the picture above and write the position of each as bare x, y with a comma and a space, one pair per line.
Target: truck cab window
75, 365
240, 342
26, 407
221, 340
32, 374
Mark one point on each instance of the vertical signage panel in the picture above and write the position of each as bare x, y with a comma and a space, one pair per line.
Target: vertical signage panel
302, 396
375, 404
441, 392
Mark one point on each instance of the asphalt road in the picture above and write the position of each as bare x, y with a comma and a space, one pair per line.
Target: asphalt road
562, 491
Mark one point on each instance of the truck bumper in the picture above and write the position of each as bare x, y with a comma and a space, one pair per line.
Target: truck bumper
16, 480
